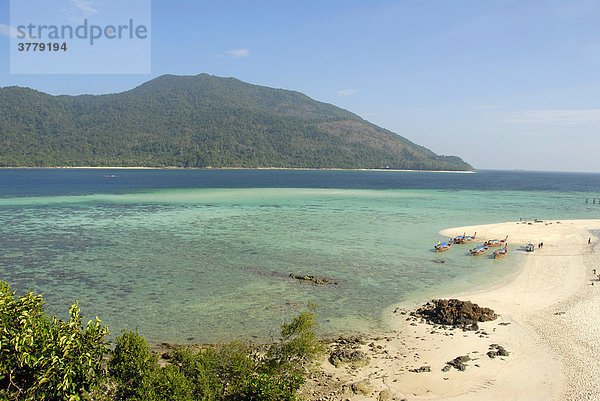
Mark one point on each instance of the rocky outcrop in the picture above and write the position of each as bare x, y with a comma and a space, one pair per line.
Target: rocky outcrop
453, 312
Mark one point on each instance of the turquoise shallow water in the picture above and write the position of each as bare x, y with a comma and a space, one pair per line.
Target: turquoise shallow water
207, 264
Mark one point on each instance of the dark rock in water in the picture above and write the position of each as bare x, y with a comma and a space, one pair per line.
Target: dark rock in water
441, 261
313, 279
345, 355
459, 362
454, 312
421, 369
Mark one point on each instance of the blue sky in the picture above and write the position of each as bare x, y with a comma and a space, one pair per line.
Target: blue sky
502, 84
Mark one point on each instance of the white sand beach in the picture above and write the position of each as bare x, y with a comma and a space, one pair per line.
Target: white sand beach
549, 322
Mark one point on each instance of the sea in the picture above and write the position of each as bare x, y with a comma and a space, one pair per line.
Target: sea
204, 256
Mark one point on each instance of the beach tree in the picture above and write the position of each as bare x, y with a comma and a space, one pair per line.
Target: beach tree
45, 358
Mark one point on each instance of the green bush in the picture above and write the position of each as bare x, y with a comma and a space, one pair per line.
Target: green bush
218, 372
169, 383
132, 366
43, 358
197, 367
267, 387
238, 371
300, 342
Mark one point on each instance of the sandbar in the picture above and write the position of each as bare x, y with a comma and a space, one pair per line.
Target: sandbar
549, 321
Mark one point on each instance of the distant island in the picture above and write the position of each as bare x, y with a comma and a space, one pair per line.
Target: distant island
199, 121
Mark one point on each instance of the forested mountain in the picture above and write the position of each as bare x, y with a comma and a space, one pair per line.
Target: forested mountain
198, 121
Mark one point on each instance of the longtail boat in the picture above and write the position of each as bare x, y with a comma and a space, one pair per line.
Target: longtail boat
443, 246
501, 252
464, 239
496, 242
479, 250
469, 238
458, 239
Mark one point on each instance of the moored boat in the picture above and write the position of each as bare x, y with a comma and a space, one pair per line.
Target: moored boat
469, 238
443, 246
464, 239
458, 239
479, 250
496, 242
501, 252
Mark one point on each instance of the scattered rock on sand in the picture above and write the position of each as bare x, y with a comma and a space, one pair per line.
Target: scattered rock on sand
386, 395
454, 312
346, 355
362, 387
353, 341
497, 350
459, 362
422, 369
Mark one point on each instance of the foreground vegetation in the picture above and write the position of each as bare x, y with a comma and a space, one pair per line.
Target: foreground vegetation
43, 358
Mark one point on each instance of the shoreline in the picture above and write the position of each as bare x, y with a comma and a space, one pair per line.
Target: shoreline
231, 168
548, 320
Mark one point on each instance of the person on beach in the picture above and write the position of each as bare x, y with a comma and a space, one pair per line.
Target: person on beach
594, 271
590, 240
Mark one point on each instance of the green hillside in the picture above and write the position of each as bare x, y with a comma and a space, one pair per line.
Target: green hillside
198, 121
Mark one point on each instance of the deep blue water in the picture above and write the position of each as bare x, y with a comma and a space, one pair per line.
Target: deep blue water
50, 182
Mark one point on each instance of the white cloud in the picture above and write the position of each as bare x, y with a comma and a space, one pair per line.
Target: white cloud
562, 117
7, 30
86, 7
346, 92
238, 53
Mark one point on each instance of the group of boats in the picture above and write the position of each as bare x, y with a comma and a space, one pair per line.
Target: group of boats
478, 250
